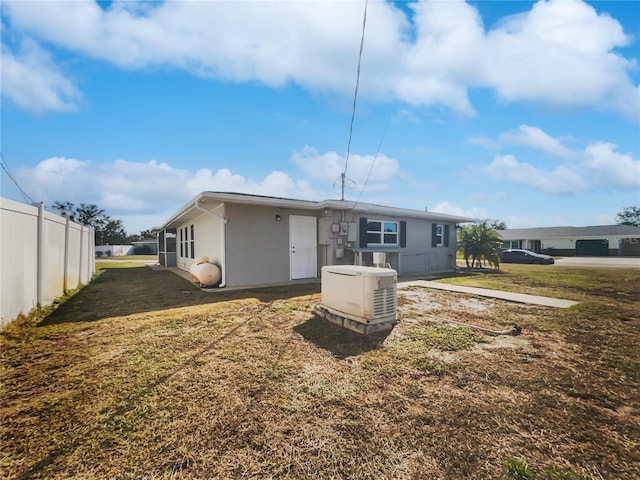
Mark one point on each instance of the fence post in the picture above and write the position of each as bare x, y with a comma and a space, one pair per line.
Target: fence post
41, 254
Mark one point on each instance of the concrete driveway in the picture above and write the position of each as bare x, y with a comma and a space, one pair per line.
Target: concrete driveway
609, 262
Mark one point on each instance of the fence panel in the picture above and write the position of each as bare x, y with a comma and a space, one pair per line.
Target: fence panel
18, 258
54, 257
41, 256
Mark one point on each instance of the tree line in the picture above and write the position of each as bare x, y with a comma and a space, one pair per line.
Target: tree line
108, 230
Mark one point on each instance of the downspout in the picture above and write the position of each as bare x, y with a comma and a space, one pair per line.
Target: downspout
223, 240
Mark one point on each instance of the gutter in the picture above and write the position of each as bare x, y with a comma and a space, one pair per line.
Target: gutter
223, 238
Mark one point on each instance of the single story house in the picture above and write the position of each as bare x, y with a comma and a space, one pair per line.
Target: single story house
261, 240
601, 240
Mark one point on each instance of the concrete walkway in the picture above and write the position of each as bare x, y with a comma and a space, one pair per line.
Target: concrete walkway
485, 292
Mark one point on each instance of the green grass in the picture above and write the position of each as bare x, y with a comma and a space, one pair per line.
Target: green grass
565, 282
101, 265
519, 470
128, 257
446, 338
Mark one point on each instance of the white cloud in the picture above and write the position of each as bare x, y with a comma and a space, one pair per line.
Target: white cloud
276, 183
449, 209
609, 168
598, 165
484, 142
118, 187
560, 180
143, 194
329, 166
443, 60
33, 82
535, 138
561, 52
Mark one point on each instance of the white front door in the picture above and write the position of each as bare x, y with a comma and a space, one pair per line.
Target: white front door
302, 247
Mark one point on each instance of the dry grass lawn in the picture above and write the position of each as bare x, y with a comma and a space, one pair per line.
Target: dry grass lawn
142, 375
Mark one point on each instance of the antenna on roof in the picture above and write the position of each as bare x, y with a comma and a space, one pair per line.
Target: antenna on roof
343, 176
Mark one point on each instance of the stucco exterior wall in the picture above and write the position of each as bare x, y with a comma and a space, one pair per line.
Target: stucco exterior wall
258, 244
208, 232
566, 244
418, 256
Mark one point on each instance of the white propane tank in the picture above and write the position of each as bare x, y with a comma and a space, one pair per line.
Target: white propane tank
205, 273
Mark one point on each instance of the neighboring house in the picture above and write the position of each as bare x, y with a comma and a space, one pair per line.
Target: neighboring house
259, 240
602, 240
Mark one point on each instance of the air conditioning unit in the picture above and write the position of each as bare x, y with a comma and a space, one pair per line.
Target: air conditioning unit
366, 295
379, 259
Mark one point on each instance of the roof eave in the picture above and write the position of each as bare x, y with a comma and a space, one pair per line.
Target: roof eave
277, 202
173, 221
387, 210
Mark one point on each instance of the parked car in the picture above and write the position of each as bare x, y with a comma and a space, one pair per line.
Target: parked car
517, 255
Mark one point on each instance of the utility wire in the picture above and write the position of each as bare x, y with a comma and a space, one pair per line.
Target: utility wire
364, 186
355, 97
5, 167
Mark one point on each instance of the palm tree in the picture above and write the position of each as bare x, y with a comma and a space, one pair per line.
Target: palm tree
479, 242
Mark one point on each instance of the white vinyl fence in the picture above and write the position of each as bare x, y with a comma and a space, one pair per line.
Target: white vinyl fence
42, 255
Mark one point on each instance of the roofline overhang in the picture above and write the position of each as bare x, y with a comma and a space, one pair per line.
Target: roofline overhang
277, 202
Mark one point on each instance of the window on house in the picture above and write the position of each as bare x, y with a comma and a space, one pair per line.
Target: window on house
187, 242
512, 244
193, 242
382, 233
439, 235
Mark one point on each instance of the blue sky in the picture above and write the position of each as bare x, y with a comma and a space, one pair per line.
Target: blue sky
527, 112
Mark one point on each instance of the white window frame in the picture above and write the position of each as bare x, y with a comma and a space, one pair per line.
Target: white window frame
382, 233
187, 241
193, 241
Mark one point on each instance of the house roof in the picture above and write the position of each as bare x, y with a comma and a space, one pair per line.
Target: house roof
210, 199
557, 232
